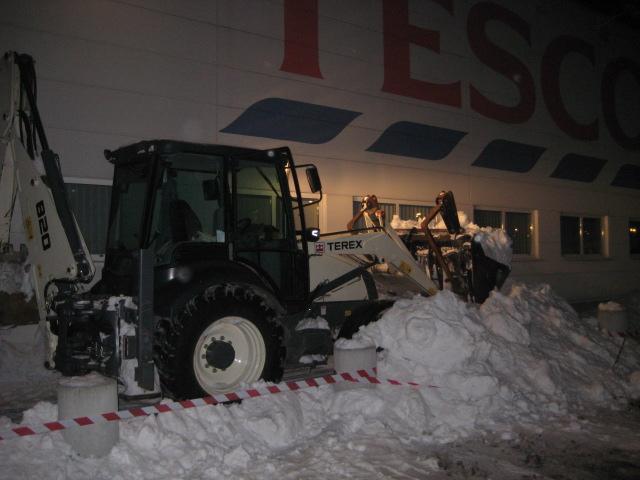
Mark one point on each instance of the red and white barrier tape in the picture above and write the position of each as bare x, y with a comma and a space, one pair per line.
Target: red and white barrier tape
361, 376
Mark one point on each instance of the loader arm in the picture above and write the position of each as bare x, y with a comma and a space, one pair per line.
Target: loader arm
57, 251
382, 244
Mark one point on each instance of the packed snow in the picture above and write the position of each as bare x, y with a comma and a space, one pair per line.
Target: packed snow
520, 356
317, 323
523, 358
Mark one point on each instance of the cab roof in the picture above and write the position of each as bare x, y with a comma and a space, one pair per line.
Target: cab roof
129, 152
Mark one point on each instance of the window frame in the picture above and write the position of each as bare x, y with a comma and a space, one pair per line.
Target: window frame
535, 237
604, 237
99, 257
310, 199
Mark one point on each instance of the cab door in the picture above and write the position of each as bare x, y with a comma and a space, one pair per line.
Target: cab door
264, 234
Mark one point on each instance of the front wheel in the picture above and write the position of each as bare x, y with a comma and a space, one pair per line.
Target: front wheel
216, 344
230, 351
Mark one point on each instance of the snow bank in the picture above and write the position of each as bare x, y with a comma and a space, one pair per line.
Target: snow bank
523, 356
519, 357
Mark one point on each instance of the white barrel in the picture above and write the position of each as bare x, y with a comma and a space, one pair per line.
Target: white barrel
83, 396
612, 317
350, 357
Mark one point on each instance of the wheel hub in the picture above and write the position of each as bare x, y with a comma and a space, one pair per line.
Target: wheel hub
220, 354
229, 352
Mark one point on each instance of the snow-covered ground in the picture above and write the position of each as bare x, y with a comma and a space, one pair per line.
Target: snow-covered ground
524, 388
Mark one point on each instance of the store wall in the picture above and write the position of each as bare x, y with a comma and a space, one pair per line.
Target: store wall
531, 106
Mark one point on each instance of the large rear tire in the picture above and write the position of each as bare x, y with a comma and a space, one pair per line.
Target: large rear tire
217, 342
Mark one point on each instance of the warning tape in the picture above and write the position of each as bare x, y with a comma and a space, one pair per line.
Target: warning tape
361, 376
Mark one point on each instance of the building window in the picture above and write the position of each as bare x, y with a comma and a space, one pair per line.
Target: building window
412, 212
634, 237
518, 225
580, 235
90, 205
487, 218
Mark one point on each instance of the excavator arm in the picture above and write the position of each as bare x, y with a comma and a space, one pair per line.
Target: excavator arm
30, 174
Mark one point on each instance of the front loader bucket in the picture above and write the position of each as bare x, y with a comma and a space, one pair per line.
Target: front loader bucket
487, 273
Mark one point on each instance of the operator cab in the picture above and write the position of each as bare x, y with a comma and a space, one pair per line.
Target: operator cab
201, 210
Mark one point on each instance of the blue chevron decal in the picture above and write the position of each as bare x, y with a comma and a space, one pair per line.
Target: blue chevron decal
578, 167
510, 156
628, 176
417, 140
284, 119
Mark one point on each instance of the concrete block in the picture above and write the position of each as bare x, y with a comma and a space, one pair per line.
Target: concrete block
352, 360
89, 395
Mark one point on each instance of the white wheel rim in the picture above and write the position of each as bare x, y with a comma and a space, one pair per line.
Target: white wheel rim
250, 355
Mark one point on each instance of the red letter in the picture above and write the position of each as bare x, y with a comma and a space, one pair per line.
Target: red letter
301, 38
609, 79
398, 36
550, 78
502, 62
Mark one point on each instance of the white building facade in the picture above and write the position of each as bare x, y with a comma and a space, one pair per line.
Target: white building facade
529, 111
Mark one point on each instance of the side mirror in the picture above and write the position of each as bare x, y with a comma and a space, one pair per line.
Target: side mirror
211, 189
314, 179
312, 234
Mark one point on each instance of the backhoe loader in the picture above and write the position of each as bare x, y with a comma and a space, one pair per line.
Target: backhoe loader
210, 269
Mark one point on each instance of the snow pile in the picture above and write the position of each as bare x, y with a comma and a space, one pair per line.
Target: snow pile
311, 434
15, 278
519, 357
361, 341
523, 356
